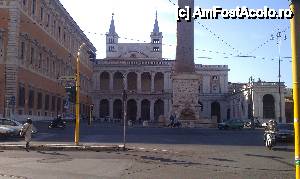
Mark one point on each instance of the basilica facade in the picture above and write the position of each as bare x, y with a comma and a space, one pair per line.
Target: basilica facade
139, 70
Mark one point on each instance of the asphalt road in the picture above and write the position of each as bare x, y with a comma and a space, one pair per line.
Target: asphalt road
158, 153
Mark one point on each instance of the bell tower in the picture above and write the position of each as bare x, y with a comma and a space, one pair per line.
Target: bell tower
156, 39
111, 39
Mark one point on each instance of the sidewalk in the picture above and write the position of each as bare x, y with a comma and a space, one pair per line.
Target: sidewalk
62, 147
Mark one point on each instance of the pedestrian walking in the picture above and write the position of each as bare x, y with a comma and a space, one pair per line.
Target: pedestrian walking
172, 118
26, 132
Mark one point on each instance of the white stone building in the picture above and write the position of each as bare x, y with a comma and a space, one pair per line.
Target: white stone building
260, 99
140, 69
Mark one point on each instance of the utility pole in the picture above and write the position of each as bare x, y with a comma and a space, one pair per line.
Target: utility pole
251, 80
279, 39
295, 44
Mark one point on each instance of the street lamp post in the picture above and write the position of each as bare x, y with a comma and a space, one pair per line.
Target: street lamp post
279, 41
77, 103
251, 81
124, 96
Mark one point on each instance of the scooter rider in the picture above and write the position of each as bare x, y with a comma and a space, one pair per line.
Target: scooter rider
270, 128
57, 122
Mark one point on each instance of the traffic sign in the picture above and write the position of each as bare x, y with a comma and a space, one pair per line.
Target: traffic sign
67, 78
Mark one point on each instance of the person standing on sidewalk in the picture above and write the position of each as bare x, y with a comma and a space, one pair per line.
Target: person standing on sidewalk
26, 131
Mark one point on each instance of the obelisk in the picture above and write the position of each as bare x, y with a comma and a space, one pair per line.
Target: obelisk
185, 42
185, 80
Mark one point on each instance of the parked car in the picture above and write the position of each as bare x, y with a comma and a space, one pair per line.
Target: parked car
6, 131
231, 124
257, 123
285, 132
14, 125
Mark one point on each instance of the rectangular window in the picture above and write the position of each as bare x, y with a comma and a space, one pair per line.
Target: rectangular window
42, 13
40, 60
48, 20
155, 41
47, 65
54, 27
39, 101
31, 56
22, 50
156, 49
47, 102
21, 96
31, 99
53, 103
33, 7
24, 2
59, 32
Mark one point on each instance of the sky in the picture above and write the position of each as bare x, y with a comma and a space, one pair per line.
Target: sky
217, 42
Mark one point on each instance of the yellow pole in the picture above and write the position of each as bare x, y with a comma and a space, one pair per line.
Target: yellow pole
77, 103
295, 44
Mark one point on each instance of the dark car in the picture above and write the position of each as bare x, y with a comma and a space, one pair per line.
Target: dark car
257, 123
231, 124
285, 132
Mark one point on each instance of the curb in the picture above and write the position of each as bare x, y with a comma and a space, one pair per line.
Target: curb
63, 147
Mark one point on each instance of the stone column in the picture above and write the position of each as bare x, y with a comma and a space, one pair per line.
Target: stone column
206, 84
111, 81
94, 81
125, 81
139, 82
152, 82
111, 108
259, 107
138, 103
166, 81
222, 83
151, 110
170, 85
98, 81
225, 83
166, 108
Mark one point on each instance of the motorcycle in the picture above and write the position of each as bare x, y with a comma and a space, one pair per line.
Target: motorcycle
270, 140
57, 124
175, 124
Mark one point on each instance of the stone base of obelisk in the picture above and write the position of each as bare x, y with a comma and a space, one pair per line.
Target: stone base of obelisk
185, 97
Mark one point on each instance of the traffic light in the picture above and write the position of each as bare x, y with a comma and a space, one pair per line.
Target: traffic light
92, 107
71, 92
